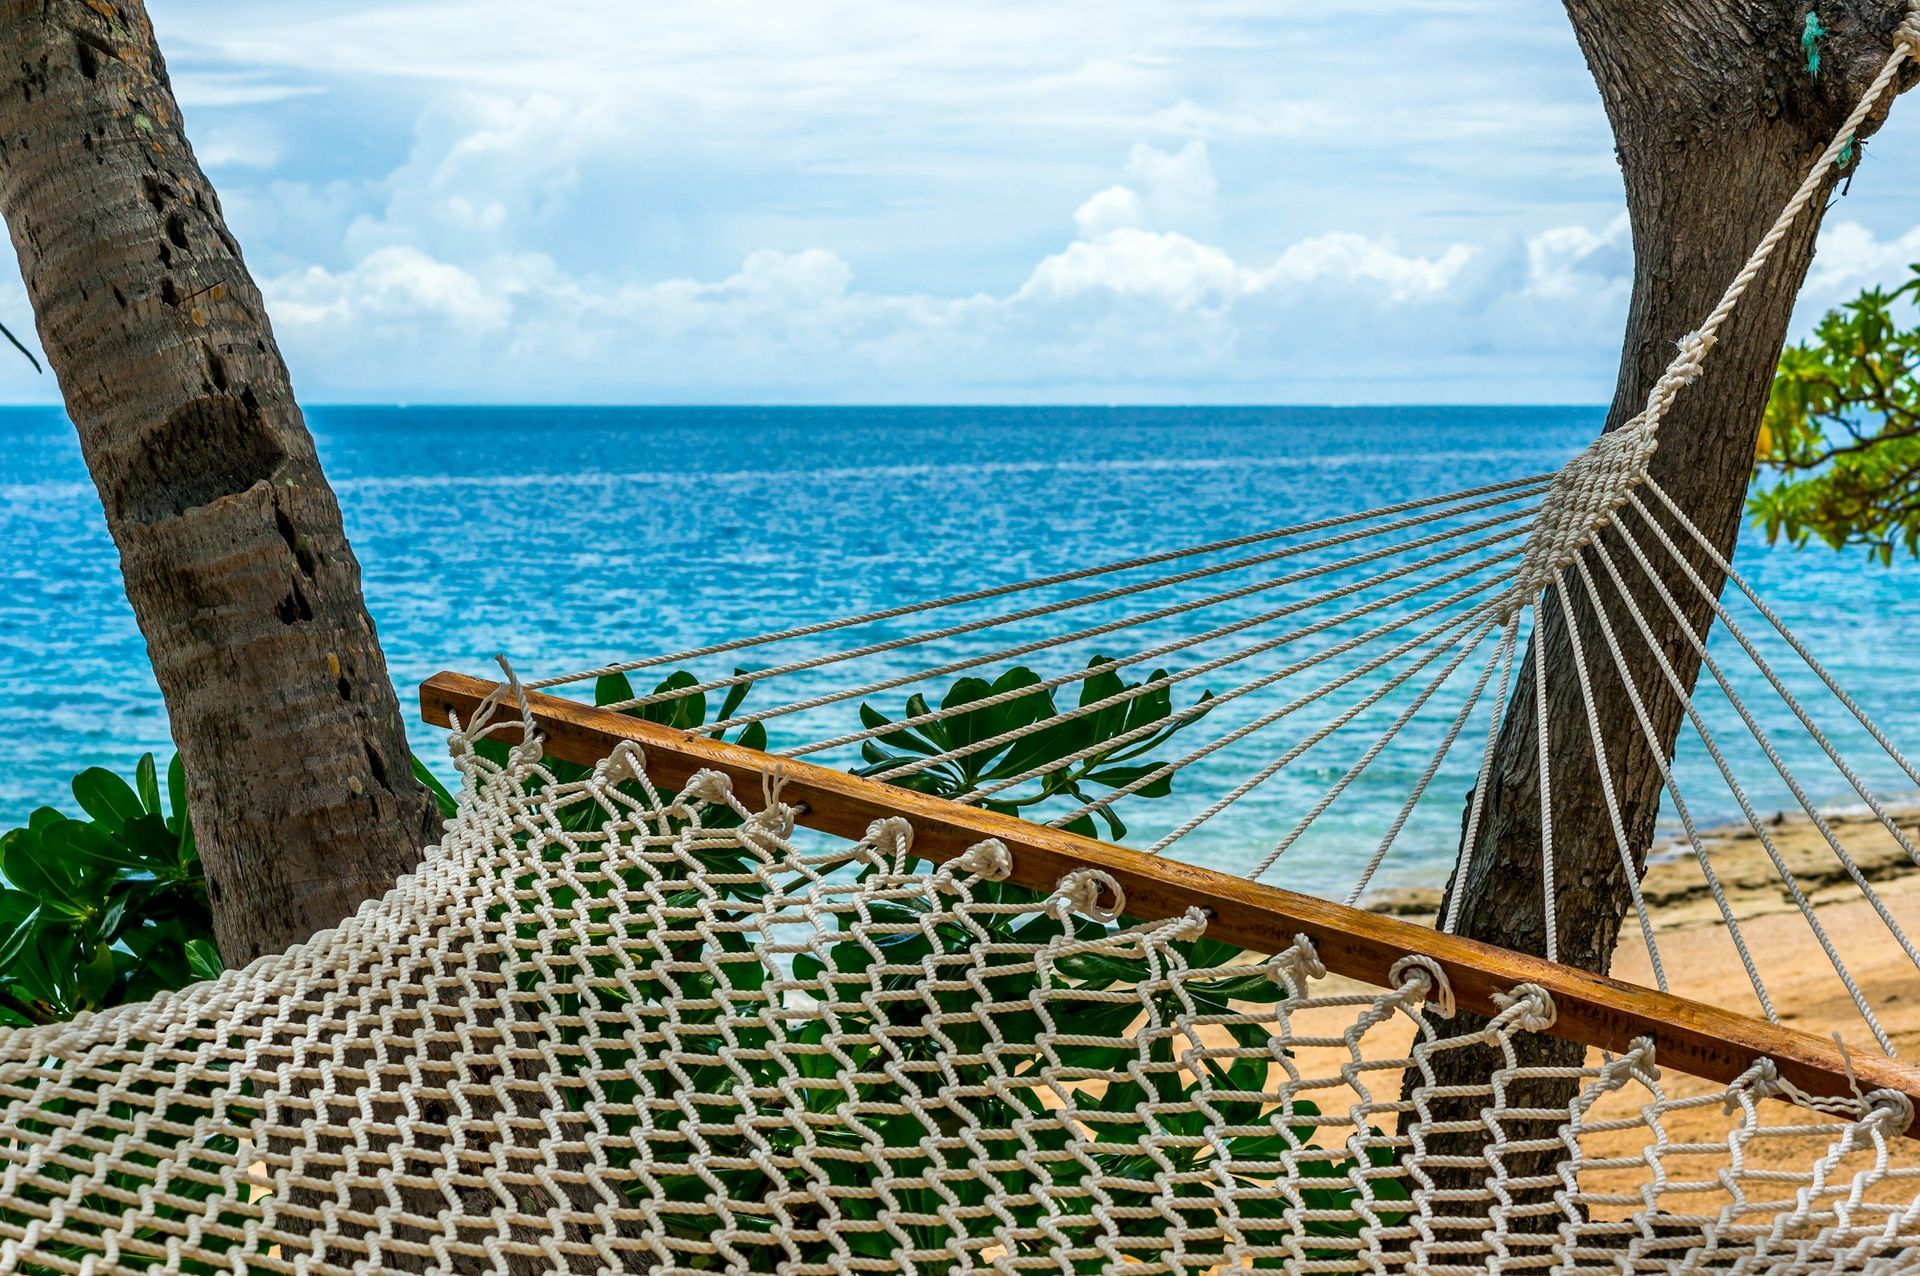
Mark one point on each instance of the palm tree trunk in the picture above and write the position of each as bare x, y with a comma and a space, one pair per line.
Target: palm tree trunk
1716, 120
230, 540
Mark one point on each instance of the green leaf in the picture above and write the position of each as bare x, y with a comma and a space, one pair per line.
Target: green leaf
431, 782
44, 966
93, 981
42, 864
106, 797
612, 688
736, 696
146, 842
147, 781
907, 738
19, 918
177, 791
1118, 777
682, 711
203, 959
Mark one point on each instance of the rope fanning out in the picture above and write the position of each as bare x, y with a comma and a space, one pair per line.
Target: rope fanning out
1134, 658
1760, 737
1001, 591
1787, 877
857, 653
1651, 737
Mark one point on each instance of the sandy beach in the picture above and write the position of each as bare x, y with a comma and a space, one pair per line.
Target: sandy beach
1702, 962
1697, 947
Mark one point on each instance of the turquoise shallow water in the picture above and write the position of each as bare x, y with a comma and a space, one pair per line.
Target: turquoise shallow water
564, 537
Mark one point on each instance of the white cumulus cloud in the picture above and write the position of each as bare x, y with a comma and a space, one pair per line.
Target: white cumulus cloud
1851, 257
1575, 261
1128, 261
1343, 256
394, 282
1124, 299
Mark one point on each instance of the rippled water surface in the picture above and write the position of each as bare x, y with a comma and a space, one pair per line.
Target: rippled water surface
565, 537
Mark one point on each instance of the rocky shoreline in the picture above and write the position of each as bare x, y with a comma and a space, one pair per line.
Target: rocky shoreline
1675, 887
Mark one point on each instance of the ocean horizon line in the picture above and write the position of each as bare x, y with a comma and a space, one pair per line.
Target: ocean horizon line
835, 406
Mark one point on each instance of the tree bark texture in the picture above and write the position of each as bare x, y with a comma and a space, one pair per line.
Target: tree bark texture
1716, 121
230, 540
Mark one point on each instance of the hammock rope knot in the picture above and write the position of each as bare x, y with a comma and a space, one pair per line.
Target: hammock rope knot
1297, 967
715, 788
1908, 32
1418, 975
1092, 893
628, 761
774, 818
1528, 1007
891, 837
989, 860
1694, 348
1888, 1111
1891, 1109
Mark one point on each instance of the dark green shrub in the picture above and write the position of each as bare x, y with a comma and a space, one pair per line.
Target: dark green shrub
103, 909
1103, 768
1841, 438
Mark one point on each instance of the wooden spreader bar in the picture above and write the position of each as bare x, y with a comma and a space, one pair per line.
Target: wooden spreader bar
1689, 1036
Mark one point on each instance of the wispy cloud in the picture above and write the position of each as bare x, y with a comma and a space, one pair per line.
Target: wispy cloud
205, 90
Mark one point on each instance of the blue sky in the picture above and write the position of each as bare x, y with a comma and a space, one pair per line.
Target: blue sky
944, 201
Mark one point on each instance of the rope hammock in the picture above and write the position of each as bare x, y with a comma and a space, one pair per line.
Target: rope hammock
758, 990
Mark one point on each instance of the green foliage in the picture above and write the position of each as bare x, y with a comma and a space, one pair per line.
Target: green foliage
686, 712
1109, 768
938, 1034
103, 909
1842, 430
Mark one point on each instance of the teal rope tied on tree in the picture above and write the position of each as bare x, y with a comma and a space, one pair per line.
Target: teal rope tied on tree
1812, 32
1810, 36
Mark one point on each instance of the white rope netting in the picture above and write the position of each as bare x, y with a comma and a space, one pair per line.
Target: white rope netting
607, 1027
672, 1035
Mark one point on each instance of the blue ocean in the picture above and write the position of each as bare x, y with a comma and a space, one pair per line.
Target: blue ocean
566, 537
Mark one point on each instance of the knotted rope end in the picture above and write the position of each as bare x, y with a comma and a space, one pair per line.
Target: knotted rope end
1907, 34
1694, 348
775, 816
1417, 974
1530, 1006
891, 837
530, 749
989, 860
1090, 892
1298, 966
627, 762
715, 788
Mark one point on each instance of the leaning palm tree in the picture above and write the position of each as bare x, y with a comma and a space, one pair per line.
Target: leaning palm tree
230, 540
